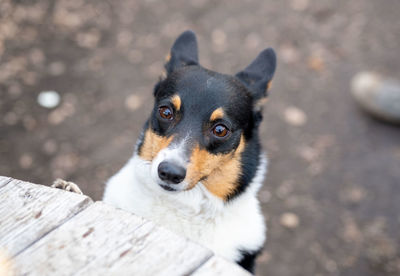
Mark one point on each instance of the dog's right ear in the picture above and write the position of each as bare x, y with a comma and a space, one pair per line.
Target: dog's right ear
258, 75
183, 53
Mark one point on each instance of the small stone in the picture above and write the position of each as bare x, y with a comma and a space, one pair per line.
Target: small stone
48, 99
355, 194
56, 68
378, 96
331, 266
295, 116
133, 102
218, 38
50, 146
25, 161
88, 39
289, 53
289, 220
316, 63
308, 153
299, 5
58, 115
351, 231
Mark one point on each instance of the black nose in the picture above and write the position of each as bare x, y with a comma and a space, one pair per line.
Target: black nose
171, 173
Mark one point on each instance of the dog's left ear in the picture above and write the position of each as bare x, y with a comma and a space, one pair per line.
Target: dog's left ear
258, 75
183, 53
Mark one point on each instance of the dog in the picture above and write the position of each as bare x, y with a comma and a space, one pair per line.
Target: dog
198, 163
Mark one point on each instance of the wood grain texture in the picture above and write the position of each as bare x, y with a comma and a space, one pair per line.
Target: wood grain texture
103, 240
221, 267
29, 211
4, 180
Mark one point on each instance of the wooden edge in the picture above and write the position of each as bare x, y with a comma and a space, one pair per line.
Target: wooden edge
27, 228
4, 180
218, 266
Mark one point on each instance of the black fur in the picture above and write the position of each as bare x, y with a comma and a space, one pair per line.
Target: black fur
248, 260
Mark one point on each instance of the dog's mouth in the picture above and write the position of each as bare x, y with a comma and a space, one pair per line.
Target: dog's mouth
168, 188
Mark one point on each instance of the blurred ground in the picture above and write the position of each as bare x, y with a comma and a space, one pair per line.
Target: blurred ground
332, 196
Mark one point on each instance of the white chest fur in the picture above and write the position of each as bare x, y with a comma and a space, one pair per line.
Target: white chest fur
225, 228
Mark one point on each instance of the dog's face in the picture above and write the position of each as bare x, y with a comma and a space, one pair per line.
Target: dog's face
202, 121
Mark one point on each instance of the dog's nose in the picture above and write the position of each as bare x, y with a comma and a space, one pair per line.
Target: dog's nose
171, 173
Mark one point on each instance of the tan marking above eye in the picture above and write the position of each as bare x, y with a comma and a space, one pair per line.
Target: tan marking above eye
177, 102
219, 173
217, 114
152, 144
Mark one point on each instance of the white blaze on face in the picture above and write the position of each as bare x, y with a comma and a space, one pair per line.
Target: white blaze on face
174, 153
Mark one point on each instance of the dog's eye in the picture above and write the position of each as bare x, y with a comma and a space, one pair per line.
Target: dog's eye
220, 130
166, 112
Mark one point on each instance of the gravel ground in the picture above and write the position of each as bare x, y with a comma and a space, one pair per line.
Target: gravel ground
332, 195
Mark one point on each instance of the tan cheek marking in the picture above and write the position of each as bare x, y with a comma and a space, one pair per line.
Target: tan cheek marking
176, 101
221, 171
217, 114
152, 145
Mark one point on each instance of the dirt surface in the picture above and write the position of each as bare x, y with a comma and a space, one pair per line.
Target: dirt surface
332, 195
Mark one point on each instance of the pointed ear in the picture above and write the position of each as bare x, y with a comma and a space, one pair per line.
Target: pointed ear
258, 75
183, 52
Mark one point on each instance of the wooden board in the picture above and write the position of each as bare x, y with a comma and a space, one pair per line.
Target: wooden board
28, 212
103, 240
4, 181
221, 267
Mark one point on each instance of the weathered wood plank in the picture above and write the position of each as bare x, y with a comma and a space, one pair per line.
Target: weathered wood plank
103, 240
4, 180
29, 211
221, 267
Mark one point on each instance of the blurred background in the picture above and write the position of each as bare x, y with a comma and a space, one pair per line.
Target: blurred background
332, 195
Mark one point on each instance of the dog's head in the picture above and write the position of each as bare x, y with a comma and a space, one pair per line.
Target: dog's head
202, 121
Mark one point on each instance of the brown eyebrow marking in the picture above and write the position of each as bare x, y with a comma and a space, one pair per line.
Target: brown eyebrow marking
217, 114
176, 101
